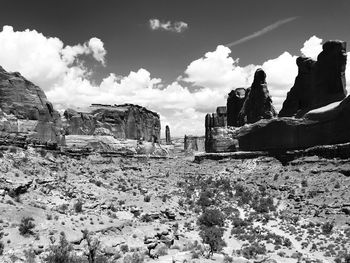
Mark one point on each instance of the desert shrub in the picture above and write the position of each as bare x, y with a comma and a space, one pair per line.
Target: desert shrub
162, 250
147, 198
251, 251
26, 226
61, 253
327, 228
206, 198
2, 246
29, 255
213, 237
304, 183
93, 246
211, 217
136, 257
228, 259
78, 206
124, 248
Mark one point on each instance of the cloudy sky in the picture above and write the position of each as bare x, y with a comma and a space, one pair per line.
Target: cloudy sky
179, 58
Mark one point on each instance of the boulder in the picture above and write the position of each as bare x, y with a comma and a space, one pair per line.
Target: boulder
235, 102
126, 121
258, 104
318, 82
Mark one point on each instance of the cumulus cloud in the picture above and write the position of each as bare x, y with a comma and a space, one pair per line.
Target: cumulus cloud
58, 70
177, 26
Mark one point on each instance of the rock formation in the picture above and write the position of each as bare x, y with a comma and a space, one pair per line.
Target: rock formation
235, 102
258, 104
167, 135
218, 119
318, 83
25, 110
194, 143
126, 121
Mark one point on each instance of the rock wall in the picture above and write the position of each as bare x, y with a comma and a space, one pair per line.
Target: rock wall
126, 121
234, 105
218, 119
318, 82
25, 110
319, 87
194, 143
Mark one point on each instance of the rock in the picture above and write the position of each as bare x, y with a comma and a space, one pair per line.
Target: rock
194, 143
24, 109
234, 105
258, 104
125, 121
325, 126
167, 135
318, 83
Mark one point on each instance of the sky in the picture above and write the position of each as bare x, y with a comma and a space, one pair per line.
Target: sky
178, 58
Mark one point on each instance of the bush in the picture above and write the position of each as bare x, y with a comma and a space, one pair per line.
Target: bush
26, 227
63, 252
136, 257
211, 217
147, 198
124, 248
253, 250
213, 237
327, 228
78, 206
2, 246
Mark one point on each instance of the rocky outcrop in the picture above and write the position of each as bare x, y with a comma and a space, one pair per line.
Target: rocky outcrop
318, 83
218, 119
126, 121
234, 105
258, 104
167, 135
25, 110
194, 143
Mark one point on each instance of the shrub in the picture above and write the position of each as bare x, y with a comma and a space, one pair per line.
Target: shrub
26, 226
78, 206
136, 257
327, 228
213, 237
124, 248
2, 246
63, 252
211, 217
206, 198
29, 255
251, 251
147, 198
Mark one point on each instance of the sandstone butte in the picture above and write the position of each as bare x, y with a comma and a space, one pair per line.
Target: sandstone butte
315, 112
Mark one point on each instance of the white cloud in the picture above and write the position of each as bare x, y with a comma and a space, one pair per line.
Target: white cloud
312, 47
58, 70
177, 26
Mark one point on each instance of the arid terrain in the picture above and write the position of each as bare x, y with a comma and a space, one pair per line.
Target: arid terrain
142, 209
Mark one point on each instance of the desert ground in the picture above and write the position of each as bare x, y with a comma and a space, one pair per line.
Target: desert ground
146, 209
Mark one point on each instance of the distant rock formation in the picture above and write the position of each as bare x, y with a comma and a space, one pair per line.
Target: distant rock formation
167, 135
25, 110
258, 104
194, 143
126, 121
234, 105
218, 119
318, 83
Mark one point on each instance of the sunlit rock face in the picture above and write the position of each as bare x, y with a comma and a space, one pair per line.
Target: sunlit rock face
318, 82
25, 110
126, 121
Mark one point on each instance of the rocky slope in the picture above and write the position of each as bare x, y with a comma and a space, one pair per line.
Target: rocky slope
140, 208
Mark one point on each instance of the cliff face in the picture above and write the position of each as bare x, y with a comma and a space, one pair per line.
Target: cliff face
25, 110
126, 121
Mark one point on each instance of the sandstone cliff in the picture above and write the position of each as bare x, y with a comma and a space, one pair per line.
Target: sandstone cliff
126, 121
25, 111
